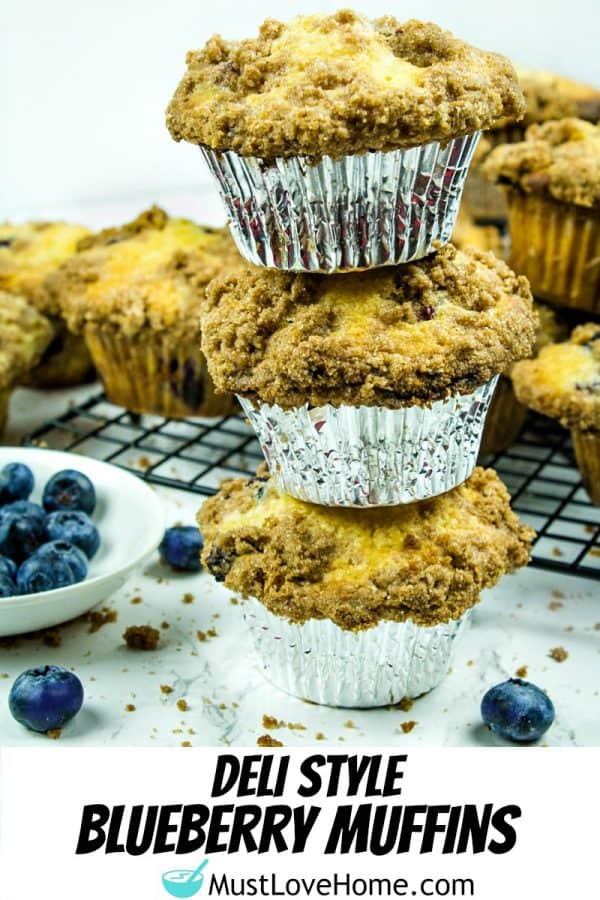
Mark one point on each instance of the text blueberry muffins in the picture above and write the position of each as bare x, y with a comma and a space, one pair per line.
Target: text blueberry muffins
135, 293
340, 142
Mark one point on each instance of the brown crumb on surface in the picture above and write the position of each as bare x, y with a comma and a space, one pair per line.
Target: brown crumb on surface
556, 551
271, 722
558, 654
406, 704
521, 672
130, 708
136, 600
165, 625
296, 726
267, 740
554, 605
182, 705
99, 618
141, 637
186, 743
166, 689
597, 626
54, 733
51, 637
558, 595
206, 635
470, 662
144, 462
4, 675
234, 601
319, 736
188, 598
349, 724
408, 726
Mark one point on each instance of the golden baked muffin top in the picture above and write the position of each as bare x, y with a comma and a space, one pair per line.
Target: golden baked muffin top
31, 251
149, 273
24, 335
340, 84
551, 96
389, 337
427, 561
467, 233
563, 382
560, 160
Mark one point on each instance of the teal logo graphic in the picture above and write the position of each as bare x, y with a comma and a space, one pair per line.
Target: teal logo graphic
184, 882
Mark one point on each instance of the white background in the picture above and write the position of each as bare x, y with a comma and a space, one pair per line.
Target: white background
83, 85
555, 856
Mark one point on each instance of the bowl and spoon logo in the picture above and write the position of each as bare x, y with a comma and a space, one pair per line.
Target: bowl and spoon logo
182, 883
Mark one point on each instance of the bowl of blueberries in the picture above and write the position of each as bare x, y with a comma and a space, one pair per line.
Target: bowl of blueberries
72, 530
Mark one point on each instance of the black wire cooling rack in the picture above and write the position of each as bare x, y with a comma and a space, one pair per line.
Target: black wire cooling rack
197, 455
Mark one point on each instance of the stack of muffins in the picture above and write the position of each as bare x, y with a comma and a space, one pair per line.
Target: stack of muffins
363, 347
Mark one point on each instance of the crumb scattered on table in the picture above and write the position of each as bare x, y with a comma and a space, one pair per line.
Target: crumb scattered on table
267, 740
554, 605
406, 704
54, 733
558, 654
408, 726
130, 708
521, 672
136, 600
188, 598
141, 637
99, 618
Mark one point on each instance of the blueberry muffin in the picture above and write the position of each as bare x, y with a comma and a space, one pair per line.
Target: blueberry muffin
134, 292
548, 96
563, 382
552, 185
506, 415
340, 142
29, 252
26, 334
369, 388
348, 595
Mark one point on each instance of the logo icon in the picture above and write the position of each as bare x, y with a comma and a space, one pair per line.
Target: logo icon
184, 883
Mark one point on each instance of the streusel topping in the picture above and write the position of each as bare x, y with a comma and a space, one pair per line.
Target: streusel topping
149, 273
390, 337
29, 252
340, 84
563, 382
427, 561
24, 335
558, 159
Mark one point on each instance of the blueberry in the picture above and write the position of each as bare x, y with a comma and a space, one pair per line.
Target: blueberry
38, 574
517, 710
17, 482
74, 527
8, 587
181, 546
23, 507
8, 568
20, 536
69, 489
45, 698
68, 553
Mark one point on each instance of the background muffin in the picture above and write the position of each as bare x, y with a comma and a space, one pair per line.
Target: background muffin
358, 607
29, 252
24, 335
135, 293
552, 185
563, 382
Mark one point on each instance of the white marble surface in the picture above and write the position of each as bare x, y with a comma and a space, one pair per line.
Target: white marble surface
227, 696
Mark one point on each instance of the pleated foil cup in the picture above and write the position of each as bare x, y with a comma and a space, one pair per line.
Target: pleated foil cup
322, 662
356, 212
372, 456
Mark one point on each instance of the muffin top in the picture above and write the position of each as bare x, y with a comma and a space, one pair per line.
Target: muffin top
25, 335
31, 251
340, 84
563, 382
427, 561
560, 160
149, 273
550, 96
389, 337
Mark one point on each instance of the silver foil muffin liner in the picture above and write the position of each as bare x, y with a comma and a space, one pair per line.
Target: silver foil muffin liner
372, 456
376, 209
322, 662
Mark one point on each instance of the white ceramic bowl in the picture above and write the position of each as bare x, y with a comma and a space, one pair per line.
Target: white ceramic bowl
129, 517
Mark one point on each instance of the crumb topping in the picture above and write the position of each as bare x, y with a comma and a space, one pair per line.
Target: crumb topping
24, 335
563, 382
388, 337
560, 160
550, 96
141, 637
31, 251
340, 84
426, 561
148, 274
